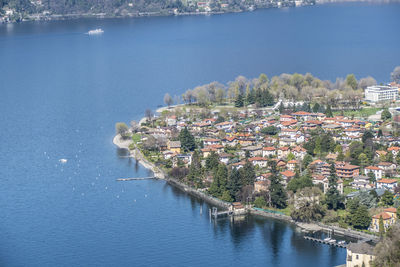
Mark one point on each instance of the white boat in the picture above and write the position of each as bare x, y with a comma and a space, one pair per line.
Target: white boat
63, 160
95, 32
327, 239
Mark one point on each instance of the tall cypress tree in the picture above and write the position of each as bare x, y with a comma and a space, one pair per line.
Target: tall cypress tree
247, 174
234, 183
333, 198
328, 111
277, 192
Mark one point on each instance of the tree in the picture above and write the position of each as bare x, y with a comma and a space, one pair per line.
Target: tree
386, 115
352, 81
307, 205
121, 128
277, 192
298, 183
395, 75
307, 160
234, 183
387, 198
168, 100
148, 114
187, 140
362, 158
361, 218
367, 81
247, 174
212, 161
316, 107
239, 101
333, 198
226, 196
260, 202
387, 250
372, 177
270, 130
134, 126
381, 226
328, 111
380, 133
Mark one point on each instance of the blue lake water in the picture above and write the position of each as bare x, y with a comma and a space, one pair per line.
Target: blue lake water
62, 92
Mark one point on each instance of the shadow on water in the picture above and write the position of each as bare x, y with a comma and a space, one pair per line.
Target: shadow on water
273, 232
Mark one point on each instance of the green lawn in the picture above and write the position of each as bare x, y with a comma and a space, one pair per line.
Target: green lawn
347, 190
363, 112
136, 138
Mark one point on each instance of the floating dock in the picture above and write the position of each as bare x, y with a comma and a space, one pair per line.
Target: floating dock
327, 242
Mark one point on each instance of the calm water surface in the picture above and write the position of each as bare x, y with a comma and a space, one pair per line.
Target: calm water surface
62, 92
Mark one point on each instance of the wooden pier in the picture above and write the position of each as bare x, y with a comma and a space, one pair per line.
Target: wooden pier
330, 242
136, 179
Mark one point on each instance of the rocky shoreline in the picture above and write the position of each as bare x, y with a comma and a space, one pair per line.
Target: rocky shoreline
305, 227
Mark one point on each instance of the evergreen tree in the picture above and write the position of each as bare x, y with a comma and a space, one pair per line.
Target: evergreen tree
307, 160
222, 177
386, 114
195, 171
250, 97
260, 202
381, 227
316, 107
239, 101
281, 108
277, 192
247, 174
234, 183
387, 198
328, 111
361, 218
333, 198
268, 99
226, 196
212, 161
187, 140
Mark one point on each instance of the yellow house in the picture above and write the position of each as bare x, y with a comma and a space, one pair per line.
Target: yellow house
359, 254
388, 216
174, 146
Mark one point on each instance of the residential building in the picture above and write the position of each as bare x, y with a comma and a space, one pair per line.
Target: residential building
359, 254
388, 216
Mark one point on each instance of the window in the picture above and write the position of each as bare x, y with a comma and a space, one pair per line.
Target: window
356, 256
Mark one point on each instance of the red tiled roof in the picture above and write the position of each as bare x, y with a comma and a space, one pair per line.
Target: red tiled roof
288, 173
387, 181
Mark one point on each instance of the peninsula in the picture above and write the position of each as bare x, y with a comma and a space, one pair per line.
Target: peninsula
323, 155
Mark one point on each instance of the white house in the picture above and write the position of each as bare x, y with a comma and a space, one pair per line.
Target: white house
378, 172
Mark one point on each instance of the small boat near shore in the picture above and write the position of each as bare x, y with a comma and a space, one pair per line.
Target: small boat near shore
63, 160
95, 32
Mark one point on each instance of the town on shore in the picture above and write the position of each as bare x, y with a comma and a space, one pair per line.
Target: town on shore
317, 151
28, 10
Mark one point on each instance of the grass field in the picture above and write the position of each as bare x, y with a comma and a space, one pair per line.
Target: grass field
362, 113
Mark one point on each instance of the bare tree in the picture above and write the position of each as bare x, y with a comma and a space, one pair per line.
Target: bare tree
367, 81
168, 100
395, 75
149, 114
134, 126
